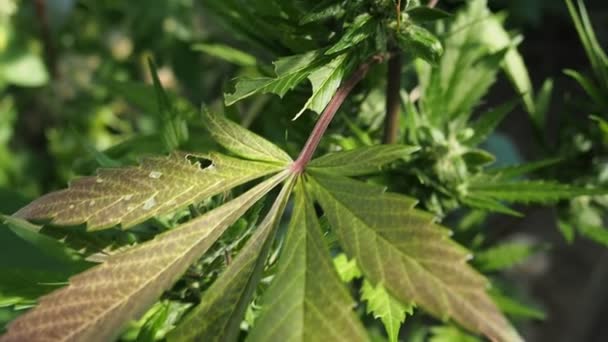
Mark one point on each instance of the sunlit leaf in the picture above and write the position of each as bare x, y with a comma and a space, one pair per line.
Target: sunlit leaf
361, 161
414, 259
131, 195
241, 141
306, 300
347, 269
361, 29
488, 122
504, 256
529, 191
174, 130
227, 53
290, 71
419, 42
515, 308
450, 334
388, 309
99, 302
325, 81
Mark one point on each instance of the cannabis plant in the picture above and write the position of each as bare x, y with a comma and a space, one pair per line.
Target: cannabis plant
251, 238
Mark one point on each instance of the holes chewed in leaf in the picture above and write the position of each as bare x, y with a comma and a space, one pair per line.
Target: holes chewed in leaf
130, 195
200, 162
155, 174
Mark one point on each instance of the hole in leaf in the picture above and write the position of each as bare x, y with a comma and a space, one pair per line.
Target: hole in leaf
201, 162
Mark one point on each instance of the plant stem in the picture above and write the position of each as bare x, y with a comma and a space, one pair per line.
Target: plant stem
433, 3
393, 102
328, 114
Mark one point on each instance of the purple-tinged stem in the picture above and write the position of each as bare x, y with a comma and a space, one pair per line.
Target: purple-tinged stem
328, 114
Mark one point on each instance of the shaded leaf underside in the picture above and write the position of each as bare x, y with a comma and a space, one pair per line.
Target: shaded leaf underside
403, 249
306, 300
128, 196
98, 302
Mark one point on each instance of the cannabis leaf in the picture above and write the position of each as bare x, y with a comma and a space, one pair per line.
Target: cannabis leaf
403, 249
466, 70
306, 300
290, 71
243, 142
361, 28
528, 191
361, 161
158, 186
219, 315
325, 81
384, 306
503, 256
488, 122
98, 302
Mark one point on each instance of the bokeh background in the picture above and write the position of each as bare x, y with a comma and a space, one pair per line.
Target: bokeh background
60, 104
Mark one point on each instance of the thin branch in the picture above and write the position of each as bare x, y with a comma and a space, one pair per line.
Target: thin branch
393, 101
328, 114
433, 3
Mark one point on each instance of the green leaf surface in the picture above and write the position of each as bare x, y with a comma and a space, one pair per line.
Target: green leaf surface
306, 300
542, 103
218, 316
128, 196
504, 256
466, 70
323, 11
226, 53
529, 191
413, 258
514, 171
325, 81
347, 269
516, 308
450, 334
361, 29
595, 53
496, 37
386, 308
598, 234
361, 161
290, 71
425, 13
23, 68
241, 141
31, 233
174, 130
97, 303
589, 86
486, 203
488, 122
419, 42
